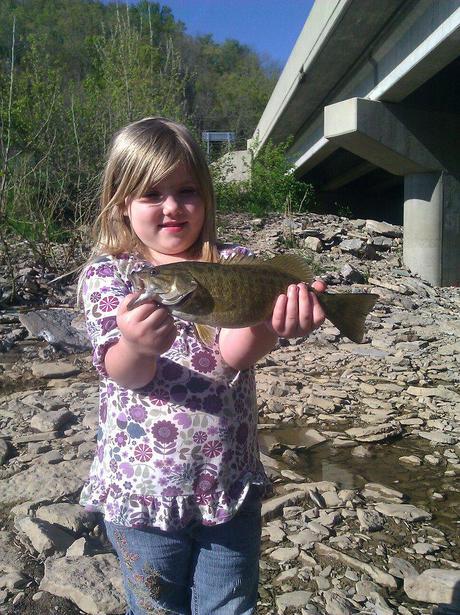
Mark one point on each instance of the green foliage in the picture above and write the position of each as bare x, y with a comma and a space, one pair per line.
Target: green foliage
72, 72
272, 185
343, 209
229, 85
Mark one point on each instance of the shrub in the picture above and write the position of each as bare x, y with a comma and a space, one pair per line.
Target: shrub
272, 184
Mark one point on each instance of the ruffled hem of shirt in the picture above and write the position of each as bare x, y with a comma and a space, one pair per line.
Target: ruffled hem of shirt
168, 512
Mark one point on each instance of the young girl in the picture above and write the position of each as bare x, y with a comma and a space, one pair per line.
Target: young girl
177, 473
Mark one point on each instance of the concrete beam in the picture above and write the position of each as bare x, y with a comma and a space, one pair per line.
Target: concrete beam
378, 133
314, 67
437, 50
414, 42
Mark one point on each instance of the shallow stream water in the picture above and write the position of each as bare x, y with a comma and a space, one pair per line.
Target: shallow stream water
418, 483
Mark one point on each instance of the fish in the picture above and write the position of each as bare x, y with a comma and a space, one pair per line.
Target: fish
240, 292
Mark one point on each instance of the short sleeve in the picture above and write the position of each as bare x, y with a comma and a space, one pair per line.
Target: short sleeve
227, 251
103, 289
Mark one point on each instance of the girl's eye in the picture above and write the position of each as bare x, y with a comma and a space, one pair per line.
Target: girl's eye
154, 196
189, 190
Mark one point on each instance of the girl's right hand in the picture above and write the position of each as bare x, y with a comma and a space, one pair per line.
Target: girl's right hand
148, 328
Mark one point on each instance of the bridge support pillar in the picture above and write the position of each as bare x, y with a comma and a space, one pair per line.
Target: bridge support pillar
421, 147
432, 227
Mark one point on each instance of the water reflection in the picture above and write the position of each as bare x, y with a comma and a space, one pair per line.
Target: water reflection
426, 485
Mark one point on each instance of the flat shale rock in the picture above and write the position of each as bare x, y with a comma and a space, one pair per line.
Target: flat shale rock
376, 433
379, 576
273, 507
337, 604
369, 520
306, 538
382, 493
284, 554
44, 537
94, 584
44, 482
435, 585
439, 437
295, 599
406, 512
51, 420
9, 552
61, 369
383, 228
55, 327
72, 517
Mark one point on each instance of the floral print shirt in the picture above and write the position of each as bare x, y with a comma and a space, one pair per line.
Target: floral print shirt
184, 447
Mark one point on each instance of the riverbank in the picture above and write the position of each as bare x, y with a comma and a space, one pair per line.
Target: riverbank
361, 441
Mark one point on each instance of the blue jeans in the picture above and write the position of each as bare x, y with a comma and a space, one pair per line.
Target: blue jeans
199, 570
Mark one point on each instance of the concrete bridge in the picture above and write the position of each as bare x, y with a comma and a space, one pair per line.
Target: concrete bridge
371, 96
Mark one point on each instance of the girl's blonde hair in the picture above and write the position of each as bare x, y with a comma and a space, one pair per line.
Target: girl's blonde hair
140, 156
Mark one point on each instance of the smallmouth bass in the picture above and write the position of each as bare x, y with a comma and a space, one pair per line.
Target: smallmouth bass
240, 292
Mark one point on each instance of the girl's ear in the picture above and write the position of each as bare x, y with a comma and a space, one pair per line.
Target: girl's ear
128, 201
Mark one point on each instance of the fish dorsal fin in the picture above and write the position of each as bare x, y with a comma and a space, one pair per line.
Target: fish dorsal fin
238, 259
293, 264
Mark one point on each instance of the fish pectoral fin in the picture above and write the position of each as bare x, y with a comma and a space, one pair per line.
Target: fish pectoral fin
348, 312
206, 334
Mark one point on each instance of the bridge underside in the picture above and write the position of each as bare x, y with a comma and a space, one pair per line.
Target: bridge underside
393, 153
370, 96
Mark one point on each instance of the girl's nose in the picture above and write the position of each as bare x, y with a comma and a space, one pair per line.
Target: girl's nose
170, 204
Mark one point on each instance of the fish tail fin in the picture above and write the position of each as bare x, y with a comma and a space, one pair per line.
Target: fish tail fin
206, 334
348, 312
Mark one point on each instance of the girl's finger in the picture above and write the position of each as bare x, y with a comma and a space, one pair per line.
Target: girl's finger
318, 312
292, 308
140, 312
305, 308
279, 314
158, 316
123, 307
319, 285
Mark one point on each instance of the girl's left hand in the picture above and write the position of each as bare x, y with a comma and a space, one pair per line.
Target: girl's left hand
298, 313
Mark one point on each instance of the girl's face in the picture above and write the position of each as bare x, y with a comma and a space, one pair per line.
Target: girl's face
169, 218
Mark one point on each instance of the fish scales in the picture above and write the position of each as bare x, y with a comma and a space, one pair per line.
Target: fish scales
240, 295
241, 292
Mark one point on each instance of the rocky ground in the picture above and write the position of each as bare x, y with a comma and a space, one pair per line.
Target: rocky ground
362, 441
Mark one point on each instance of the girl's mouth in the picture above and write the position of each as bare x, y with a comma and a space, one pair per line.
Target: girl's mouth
173, 227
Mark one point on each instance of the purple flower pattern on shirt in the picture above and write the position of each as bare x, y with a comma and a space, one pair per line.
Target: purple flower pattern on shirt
204, 362
184, 446
143, 452
138, 413
108, 304
165, 432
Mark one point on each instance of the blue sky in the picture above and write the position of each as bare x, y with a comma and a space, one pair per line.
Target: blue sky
268, 26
